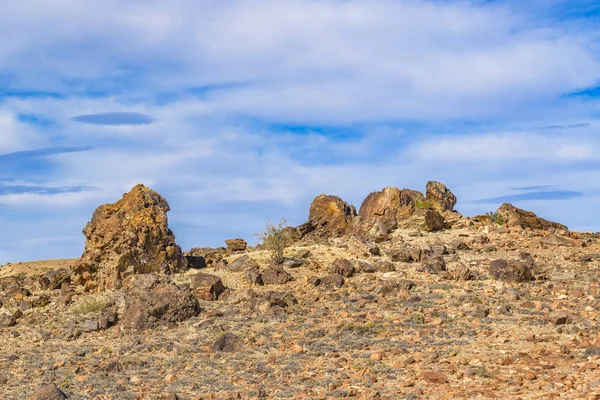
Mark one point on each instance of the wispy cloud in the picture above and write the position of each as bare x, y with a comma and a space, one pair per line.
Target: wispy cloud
240, 110
115, 118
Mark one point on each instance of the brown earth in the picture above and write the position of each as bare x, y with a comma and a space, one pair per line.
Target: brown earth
440, 328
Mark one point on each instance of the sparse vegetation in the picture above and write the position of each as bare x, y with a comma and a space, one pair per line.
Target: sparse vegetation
496, 217
89, 305
275, 239
424, 204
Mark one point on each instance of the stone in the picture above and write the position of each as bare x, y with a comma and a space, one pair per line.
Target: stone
66, 294
439, 194
235, 245
400, 255
7, 319
48, 392
385, 266
229, 343
196, 262
435, 377
211, 255
90, 325
207, 287
276, 276
253, 277
364, 266
510, 271
374, 250
330, 216
517, 217
332, 281
242, 264
52, 280
108, 318
126, 238
160, 303
424, 219
381, 207
434, 265
343, 267
293, 263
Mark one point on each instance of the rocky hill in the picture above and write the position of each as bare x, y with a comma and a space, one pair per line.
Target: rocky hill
403, 299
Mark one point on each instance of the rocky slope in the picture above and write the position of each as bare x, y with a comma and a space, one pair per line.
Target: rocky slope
405, 299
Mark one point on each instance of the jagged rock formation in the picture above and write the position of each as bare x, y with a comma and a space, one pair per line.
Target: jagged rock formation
440, 195
328, 216
516, 217
128, 237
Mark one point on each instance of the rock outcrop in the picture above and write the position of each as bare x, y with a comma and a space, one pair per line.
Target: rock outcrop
517, 217
128, 237
328, 216
438, 194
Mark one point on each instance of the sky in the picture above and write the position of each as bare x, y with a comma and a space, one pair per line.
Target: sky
241, 110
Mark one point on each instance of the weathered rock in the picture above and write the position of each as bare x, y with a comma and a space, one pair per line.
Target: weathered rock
48, 392
435, 377
343, 267
273, 302
66, 293
207, 287
433, 265
211, 255
54, 279
462, 273
228, 342
196, 262
7, 319
253, 276
332, 281
400, 254
242, 264
381, 207
293, 263
385, 266
234, 245
108, 317
364, 266
128, 237
159, 303
330, 216
517, 217
276, 276
373, 249
424, 219
510, 271
439, 194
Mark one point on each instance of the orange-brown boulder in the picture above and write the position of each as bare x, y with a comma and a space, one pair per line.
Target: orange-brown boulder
128, 237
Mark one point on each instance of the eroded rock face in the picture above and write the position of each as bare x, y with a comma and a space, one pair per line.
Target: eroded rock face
439, 194
330, 215
128, 237
149, 302
526, 219
382, 207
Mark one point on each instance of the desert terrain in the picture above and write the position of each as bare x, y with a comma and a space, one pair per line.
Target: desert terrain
432, 305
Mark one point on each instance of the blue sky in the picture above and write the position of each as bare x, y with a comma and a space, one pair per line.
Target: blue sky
241, 110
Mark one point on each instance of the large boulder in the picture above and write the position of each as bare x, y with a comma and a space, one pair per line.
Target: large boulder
150, 302
516, 217
381, 208
48, 392
438, 194
128, 237
330, 215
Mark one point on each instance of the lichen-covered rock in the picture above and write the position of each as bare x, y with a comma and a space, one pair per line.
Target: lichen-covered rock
128, 237
234, 245
510, 271
275, 276
150, 302
438, 193
48, 392
207, 287
330, 215
517, 217
343, 267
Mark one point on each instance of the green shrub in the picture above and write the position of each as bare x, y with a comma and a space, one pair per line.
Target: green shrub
275, 239
496, 217
424, 204
89, 305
